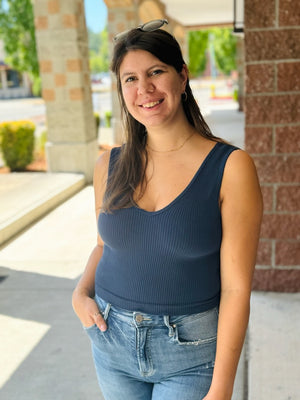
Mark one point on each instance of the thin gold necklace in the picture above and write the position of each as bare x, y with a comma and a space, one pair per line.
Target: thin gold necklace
174, 149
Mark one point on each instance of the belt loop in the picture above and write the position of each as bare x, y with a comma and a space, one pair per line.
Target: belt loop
167, 323
106, 311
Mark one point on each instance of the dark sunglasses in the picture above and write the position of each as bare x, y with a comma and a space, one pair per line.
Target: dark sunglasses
147, 27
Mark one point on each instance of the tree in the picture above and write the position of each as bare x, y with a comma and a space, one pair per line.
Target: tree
198, 41
103, 51
98, 45
225, 49
18, 34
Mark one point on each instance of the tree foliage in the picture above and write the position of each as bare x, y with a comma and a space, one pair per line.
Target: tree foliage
18, 34
225, 50
224, 45
98, 45
198, 41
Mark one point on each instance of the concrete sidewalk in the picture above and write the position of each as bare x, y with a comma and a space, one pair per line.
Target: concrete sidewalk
45, 354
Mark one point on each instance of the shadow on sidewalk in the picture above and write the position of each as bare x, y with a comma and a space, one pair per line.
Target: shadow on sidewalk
45, 351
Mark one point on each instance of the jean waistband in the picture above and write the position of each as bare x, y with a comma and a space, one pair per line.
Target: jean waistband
139, 319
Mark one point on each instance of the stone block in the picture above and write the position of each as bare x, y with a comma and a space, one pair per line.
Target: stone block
258, 16
287, 253
288, 76
280, 226
277, 280
46, 66
287, 139
277, 168
76, 94
61, 93
53, 7
74, 65
48, 94
40, 7
272, 109
260, 78
60, 80
288, 198
73, 157
70, 21
70, 122
48, 81
55, 23
41, 22
264, 253
75, 80
275, 44
289, 13
259, 139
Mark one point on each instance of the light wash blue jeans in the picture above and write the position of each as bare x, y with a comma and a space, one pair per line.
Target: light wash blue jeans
154, 357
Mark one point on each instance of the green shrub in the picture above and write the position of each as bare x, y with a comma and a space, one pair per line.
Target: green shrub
235, 95
108, 116
40, 144
97, 120
17, 143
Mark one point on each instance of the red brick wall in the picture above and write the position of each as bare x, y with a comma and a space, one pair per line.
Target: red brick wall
272, 110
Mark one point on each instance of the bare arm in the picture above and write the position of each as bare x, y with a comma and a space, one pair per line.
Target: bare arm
241, 209
82, 300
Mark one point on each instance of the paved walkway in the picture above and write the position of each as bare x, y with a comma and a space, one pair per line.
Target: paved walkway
45, 354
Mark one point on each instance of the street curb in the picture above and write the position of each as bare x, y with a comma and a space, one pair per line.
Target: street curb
24, 217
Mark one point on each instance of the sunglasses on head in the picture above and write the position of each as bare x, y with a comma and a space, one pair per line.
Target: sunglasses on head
149, 26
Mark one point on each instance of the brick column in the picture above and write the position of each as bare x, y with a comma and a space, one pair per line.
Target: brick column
241, 71
64, 65
272, 109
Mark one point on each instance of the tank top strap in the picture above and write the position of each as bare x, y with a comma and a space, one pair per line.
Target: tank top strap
114, 155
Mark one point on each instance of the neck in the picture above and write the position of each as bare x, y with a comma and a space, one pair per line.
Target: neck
169, 138
168, 148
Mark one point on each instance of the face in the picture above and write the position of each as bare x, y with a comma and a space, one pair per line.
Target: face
151, 89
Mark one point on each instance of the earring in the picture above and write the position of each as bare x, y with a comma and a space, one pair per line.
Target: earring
184, 96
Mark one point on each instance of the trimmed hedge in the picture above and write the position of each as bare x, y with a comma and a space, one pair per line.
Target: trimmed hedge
17, 143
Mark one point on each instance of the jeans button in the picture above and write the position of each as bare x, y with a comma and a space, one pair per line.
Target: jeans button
139, 318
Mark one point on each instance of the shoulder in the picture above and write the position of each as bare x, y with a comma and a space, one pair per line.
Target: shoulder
239, 162
240, 180
103, 164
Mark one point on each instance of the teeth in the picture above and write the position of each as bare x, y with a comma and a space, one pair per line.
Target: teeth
152, 104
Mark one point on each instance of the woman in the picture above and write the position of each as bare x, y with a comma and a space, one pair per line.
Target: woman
165, 294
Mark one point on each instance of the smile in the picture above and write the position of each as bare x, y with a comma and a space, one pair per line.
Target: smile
151, 104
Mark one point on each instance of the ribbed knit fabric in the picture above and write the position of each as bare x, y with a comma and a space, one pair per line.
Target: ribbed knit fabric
166, 262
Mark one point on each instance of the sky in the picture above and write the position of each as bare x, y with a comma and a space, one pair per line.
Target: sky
96, 14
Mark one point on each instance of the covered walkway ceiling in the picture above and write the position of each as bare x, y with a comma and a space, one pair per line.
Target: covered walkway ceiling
194, 14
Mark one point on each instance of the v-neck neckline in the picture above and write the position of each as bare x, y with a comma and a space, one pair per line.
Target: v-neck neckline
184, 191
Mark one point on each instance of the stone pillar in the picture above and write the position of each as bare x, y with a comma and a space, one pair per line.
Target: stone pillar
272, 110
121, 15
64, 66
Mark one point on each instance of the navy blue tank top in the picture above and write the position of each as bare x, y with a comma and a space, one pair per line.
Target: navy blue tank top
168, 261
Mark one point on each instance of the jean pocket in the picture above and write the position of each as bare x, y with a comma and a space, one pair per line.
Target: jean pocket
196, 329
87, 328
104, 307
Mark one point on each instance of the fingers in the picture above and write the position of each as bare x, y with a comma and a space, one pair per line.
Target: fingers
99, 321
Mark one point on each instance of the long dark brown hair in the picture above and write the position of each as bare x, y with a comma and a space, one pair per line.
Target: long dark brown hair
130, 168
